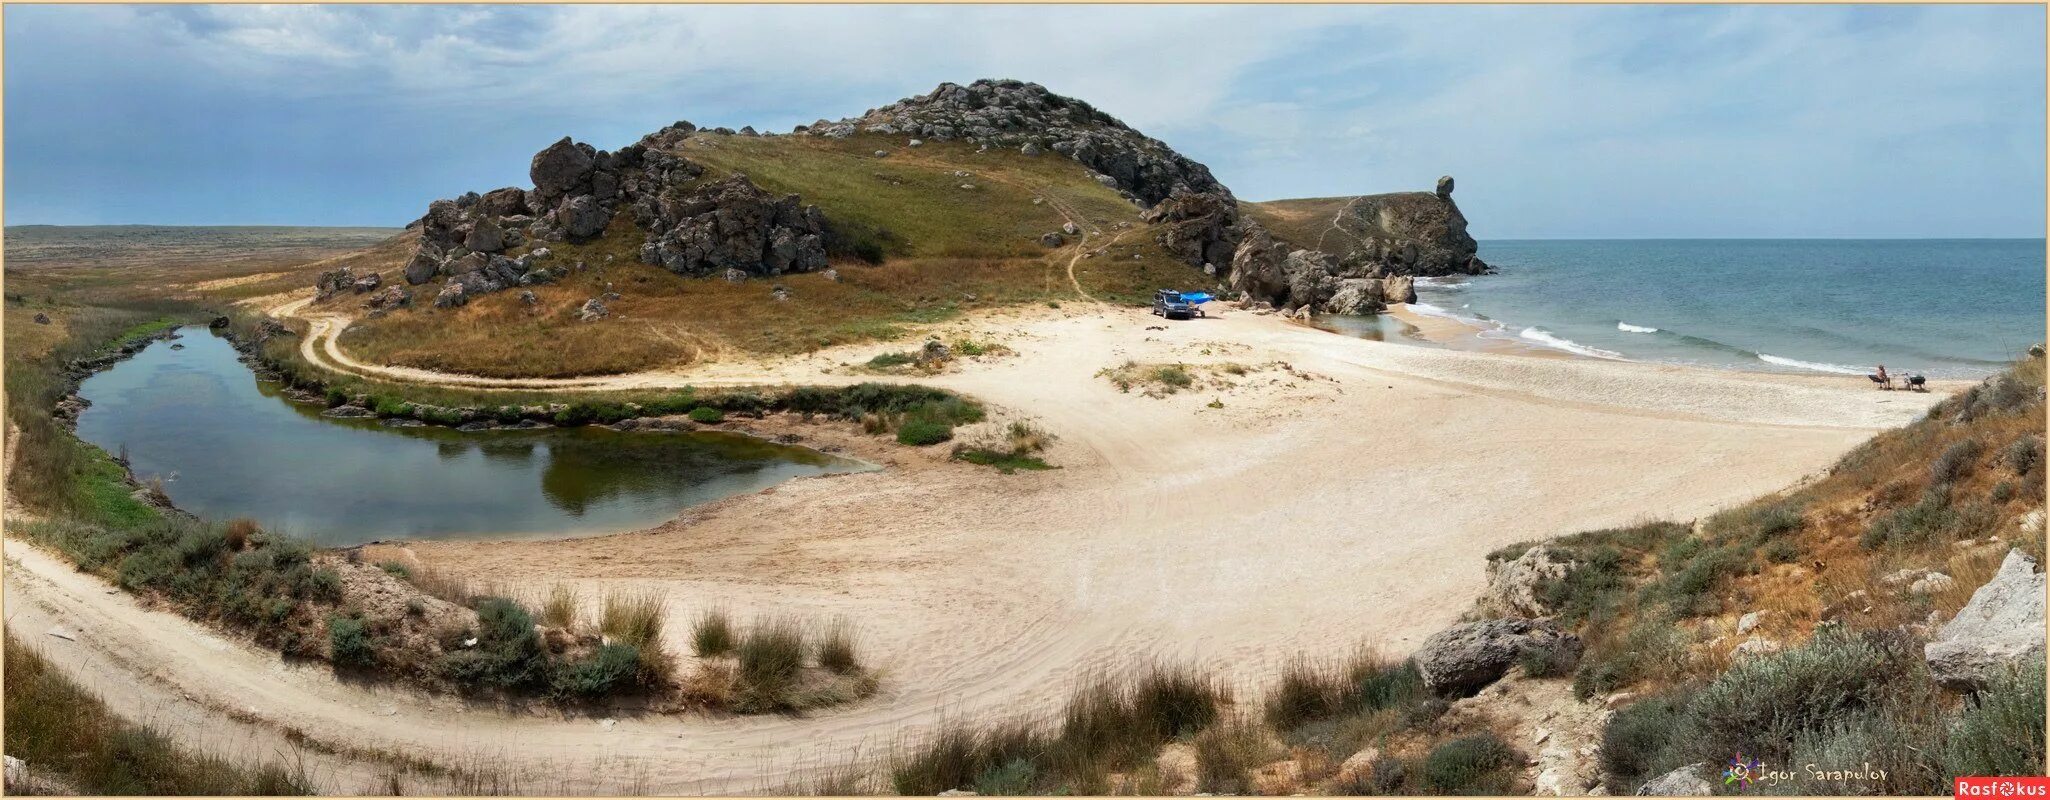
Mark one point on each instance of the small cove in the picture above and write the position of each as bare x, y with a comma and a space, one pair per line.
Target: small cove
227, 445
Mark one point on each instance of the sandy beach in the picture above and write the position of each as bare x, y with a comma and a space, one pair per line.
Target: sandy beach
1338, 493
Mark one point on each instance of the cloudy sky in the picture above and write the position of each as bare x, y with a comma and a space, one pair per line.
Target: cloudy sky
1558, 121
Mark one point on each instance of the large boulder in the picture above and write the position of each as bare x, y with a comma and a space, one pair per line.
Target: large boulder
581, 218
485, 236
426, 264
1357, 296
1398, 289
1516, 586
1463, 659
2000, 627
562, 168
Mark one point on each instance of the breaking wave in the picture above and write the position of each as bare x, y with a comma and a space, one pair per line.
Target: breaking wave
1548, 339
1796, 363
1629, 328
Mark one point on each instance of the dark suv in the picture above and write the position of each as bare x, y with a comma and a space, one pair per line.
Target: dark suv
1168, 303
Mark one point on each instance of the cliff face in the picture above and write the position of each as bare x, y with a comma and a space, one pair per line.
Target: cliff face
1352, 255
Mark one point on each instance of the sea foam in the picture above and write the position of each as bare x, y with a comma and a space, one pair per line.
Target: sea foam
1548, 339
1838, 369
1629, 328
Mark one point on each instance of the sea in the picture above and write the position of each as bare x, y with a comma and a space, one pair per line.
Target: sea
1945, 308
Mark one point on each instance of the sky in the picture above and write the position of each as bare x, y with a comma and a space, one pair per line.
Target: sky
1557, 121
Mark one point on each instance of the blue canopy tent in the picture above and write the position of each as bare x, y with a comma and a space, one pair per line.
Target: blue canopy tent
1198, 298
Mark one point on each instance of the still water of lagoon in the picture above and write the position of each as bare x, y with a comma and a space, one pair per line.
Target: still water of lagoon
227, 445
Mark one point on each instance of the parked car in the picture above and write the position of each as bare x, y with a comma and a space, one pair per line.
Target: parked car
1169, 303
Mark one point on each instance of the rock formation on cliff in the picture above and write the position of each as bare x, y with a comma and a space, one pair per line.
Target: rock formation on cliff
1028, 118
690, 228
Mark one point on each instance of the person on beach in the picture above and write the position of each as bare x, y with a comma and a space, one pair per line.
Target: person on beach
1884, 380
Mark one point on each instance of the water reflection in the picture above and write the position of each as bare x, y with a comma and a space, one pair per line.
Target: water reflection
230, 446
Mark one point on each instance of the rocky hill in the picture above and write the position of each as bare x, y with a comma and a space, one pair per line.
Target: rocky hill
997, 171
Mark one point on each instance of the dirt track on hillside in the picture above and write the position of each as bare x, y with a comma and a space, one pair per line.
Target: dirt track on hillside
1341, 492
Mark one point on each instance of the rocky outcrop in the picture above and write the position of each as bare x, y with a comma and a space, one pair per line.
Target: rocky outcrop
734, 225
729, 226
1517, 586
1404, 234
1199, 227
1028, 118
337, 281
1462, 659
2000, 627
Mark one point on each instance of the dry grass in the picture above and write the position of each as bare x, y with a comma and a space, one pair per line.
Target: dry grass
713, 635
560, 607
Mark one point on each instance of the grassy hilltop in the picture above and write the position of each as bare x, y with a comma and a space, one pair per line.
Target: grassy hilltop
934, 231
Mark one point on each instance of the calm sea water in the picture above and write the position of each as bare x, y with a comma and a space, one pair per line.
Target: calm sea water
1946, 308
229, 446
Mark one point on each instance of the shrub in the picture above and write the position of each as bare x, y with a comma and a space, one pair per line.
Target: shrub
1687, 587
349, 643
836, 650
1637, 742
1176, 700
508, 652
611, 668
1305, 693
395, 569
713, 634
1481, 764
921, 432
888, 360
238, 532
1176, 376
560, 609
1226, 753
1760, 704
707, 415
1954, 462
632, 617
771, 656
2000, 731
1651, 647
1548, 662
2023, 454
1010, 779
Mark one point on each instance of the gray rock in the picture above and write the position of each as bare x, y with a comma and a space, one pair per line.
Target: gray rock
368, 283
593, 310
1052, 239
1445, 187
1356, 296
1398, 289
527, 298
426, 263
1932, 583
1463, 659
1071, 228
2000, 627
915, 143
1515, 585
561, 168
452, 295
42, 318
1687, 781
1749, 622
485, 236
582, 218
